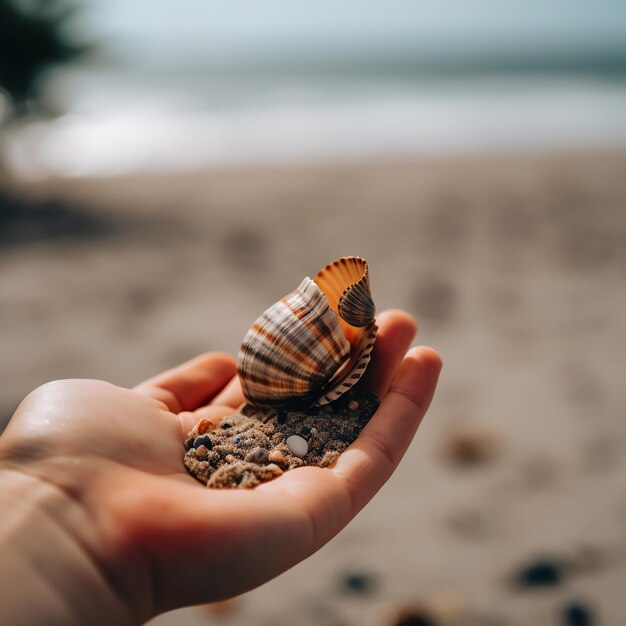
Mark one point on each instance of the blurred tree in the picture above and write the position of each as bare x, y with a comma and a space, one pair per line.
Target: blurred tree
32, 38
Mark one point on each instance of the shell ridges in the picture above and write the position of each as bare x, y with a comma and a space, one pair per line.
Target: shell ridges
315, 343
293, 349
345, 282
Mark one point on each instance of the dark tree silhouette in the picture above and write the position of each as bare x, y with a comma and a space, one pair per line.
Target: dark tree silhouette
32, 39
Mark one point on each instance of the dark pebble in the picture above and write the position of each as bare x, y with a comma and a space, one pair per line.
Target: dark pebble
226, 425
203, 440
358, 583
281, 417
306, 431
541, 573
577, 614
260, 456
237, 439
415, 618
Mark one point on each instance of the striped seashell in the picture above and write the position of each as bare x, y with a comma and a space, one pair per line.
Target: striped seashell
314, 344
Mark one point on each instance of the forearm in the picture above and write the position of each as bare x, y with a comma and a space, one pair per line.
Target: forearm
47, 574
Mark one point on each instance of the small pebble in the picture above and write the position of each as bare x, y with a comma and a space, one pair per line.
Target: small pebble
229, 458
276, 456
469, 444
358, 583
306, 431
202, 452
277, 470
226, 425
414, 617
298, 446
260, 456
203, 425
577, 614
353, 405
541, 573
203, 440
237, 439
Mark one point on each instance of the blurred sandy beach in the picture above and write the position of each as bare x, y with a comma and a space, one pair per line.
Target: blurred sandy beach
514, 267
169, 170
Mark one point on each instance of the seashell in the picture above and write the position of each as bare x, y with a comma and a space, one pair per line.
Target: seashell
314, 344
203, 425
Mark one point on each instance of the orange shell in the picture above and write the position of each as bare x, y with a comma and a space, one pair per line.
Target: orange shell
315, 343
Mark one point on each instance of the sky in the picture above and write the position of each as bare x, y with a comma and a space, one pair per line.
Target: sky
149, 30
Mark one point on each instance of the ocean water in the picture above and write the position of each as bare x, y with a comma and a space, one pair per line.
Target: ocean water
121, 124
203, 84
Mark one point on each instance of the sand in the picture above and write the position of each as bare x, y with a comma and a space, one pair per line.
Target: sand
242, 451
515, 268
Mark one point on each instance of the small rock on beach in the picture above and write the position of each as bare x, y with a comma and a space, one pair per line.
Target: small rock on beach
298, 446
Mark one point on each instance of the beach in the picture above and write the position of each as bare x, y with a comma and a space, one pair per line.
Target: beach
514, 267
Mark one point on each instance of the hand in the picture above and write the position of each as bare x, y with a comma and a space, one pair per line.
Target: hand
133, 534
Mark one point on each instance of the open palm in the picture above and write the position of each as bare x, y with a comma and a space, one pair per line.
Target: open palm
161, 538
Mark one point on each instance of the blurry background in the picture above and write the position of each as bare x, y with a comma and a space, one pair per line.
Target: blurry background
168, 170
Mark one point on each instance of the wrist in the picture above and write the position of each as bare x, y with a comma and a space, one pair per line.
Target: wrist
49, 570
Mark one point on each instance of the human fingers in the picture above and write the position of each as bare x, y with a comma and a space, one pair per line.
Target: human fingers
396, 330
212, 412
192, 384
231, 395
367, 464
330, 498
205, 544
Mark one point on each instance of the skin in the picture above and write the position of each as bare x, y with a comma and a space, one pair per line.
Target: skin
100, 522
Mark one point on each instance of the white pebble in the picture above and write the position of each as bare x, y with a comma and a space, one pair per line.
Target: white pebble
298, 446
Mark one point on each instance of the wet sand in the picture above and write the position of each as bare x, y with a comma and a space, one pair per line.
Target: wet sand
515, 268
